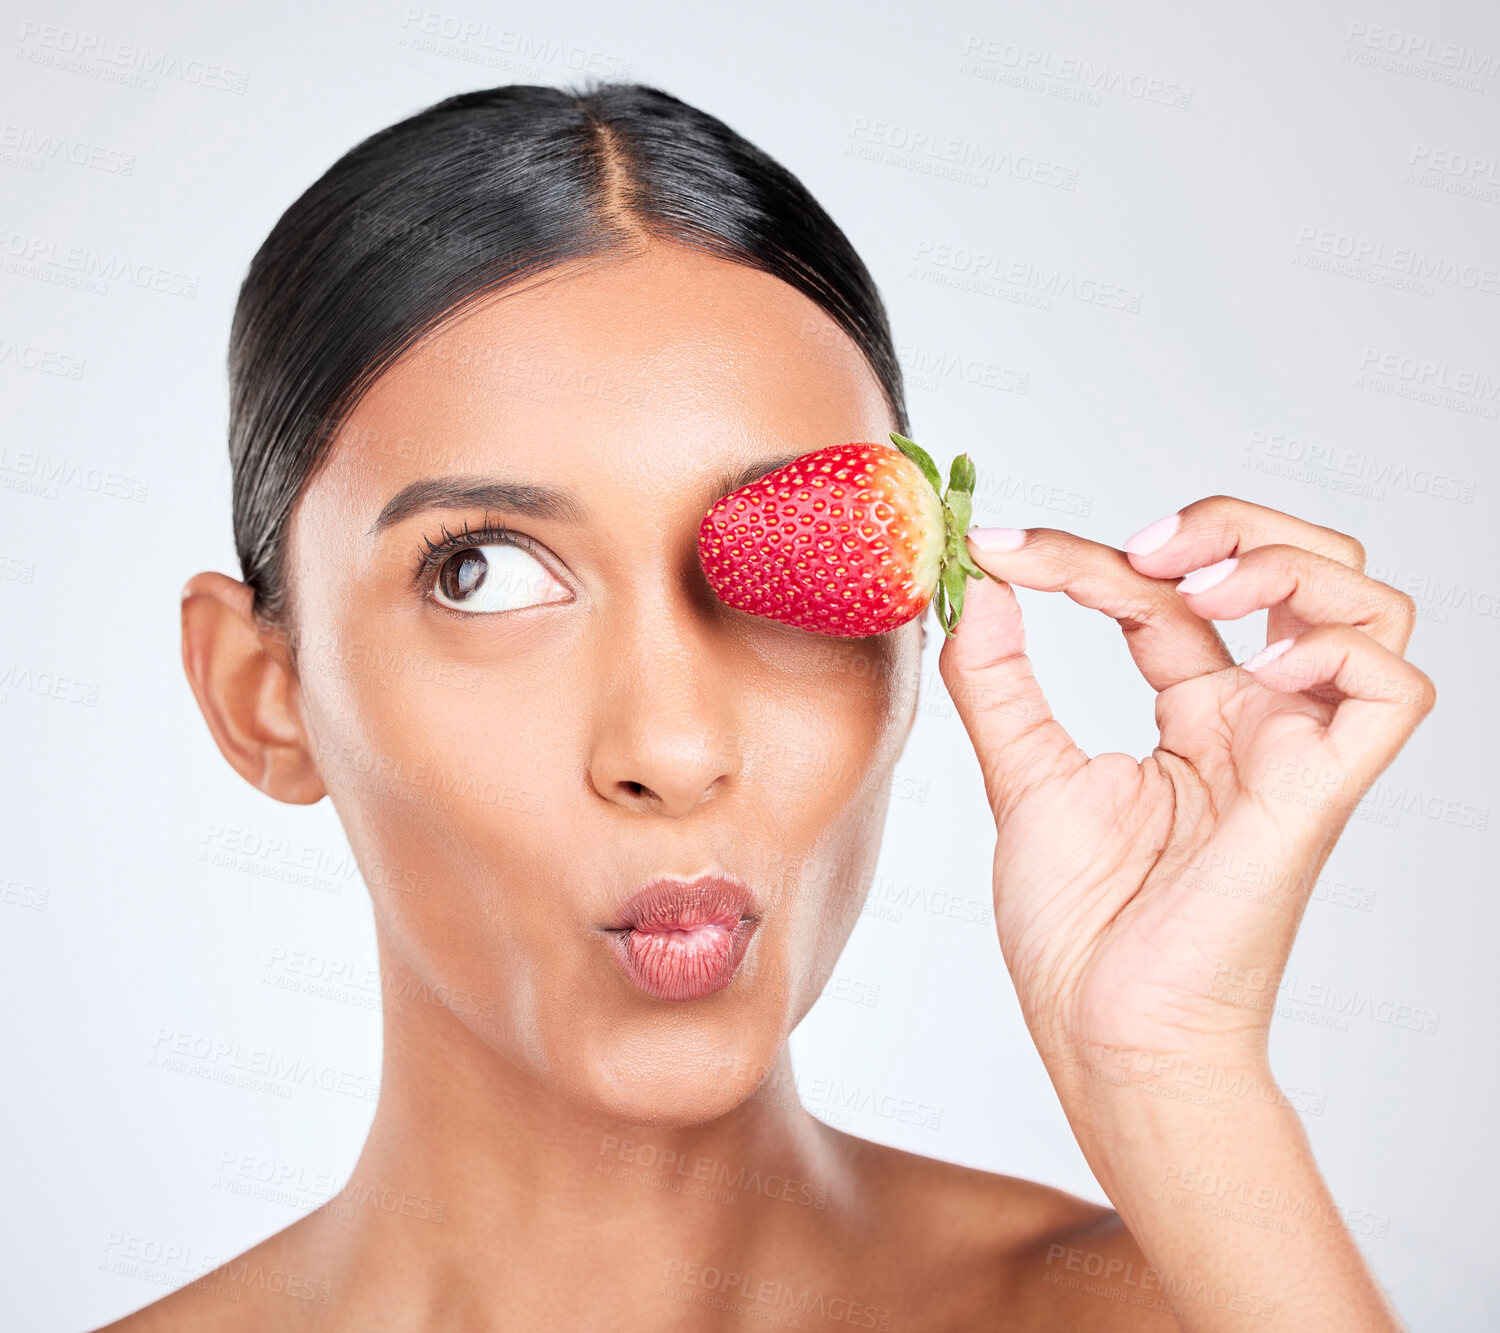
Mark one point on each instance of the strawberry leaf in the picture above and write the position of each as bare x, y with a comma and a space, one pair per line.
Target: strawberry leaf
960, 509
921, 458
962, 475
954, 578
962, 558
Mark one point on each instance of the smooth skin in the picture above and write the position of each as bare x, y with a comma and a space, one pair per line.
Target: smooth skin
507, 778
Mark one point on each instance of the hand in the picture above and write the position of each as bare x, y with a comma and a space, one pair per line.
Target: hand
1151, 906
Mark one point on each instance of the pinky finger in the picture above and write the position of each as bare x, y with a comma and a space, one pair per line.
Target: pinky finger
1385, 696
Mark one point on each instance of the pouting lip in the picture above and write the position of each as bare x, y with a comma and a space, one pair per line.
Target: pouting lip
667, 902
682, 965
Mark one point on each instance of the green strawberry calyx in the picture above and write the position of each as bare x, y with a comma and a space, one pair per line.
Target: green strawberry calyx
957, 566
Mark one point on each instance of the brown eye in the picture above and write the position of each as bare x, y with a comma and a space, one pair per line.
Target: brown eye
462, 574
498, 576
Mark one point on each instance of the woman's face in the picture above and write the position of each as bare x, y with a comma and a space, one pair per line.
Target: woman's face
514, 756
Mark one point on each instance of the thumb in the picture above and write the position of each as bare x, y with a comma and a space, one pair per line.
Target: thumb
988, 675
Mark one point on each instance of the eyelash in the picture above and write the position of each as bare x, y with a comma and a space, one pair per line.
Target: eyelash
491, 532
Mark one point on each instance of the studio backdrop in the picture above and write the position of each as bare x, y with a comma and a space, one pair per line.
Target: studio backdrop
1133, 256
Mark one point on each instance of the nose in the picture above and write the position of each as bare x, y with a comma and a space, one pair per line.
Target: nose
665, 738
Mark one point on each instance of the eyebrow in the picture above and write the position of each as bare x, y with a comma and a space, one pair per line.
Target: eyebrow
515, 497
731, 481
528, 498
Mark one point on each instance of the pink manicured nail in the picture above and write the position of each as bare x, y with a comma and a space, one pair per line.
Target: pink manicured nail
1267, 654
996, 539
1201, 580
1153, 536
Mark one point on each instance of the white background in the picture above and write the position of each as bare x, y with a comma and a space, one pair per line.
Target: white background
1223, 161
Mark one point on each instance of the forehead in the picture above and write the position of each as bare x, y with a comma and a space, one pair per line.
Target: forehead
622, 373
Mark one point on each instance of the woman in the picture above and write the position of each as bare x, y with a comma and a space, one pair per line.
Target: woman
487, 375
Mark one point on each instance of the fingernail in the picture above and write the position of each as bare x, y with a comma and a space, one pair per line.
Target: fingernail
1201, 580
996, 539
1153, 536
1267, 654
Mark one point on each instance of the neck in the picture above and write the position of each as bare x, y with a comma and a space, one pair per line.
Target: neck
483, 1176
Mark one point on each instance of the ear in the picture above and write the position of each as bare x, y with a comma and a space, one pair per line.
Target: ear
917, 702
242, 676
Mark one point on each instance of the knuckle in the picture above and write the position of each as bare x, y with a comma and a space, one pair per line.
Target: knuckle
1332, 544
1425, 693
1214, 514
949, 670
1289, 563
1212, 503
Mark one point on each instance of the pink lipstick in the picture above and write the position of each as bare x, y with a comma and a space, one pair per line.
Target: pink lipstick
683, 939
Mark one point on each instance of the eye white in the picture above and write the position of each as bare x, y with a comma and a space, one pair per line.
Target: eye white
502, 577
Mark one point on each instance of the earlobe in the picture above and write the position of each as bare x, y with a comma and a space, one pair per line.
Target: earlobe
243, 680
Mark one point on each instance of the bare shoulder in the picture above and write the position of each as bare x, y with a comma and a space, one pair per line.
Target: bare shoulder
984, 1250
277, 1286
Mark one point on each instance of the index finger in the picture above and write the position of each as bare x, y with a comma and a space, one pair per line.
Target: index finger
1169, 642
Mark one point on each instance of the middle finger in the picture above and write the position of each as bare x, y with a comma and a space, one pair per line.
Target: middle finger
1167, 640
1304, 589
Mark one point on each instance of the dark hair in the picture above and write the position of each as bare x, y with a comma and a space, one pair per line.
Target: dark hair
471, 196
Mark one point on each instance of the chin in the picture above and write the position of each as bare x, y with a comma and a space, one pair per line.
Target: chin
678, 1075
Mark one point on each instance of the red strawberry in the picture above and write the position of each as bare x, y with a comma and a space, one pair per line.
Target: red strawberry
851, 540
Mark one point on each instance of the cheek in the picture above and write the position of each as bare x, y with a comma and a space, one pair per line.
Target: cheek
396, 724
821, 767
839, 722
442, 786
442, 776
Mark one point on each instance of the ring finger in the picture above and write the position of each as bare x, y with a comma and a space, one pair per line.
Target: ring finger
1303, 589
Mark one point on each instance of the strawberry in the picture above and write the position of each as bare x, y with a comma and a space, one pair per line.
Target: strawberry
850, 540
